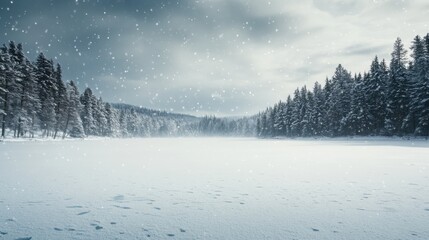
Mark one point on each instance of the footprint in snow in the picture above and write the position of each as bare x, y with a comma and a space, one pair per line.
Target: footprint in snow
3, 233
24, 238
315, 229
182, 230
170, 235
58, 229
117, 206
118, 197
75, 206
83, 213
33, 202
98, 227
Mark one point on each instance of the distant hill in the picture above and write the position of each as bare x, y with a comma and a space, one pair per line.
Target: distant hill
154, 113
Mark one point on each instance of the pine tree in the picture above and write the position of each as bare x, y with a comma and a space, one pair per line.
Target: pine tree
123, 123
287, 116
60, 101
375, 100
133, 123
319, 109
109, 119
99, 116
398, 99
339, 101
264, 124
325, 124
258, 125
87, 101
358, 117
17, 96
28, 103
10, 79
419, 106
278, 127
296, 121
47, 93
112, 116
309, 119
73, 120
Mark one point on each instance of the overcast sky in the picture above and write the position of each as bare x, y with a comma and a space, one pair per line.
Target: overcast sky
223, 57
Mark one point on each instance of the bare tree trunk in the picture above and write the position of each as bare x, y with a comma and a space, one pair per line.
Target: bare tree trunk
55, 132
3, 124
19, 127
57, 125
32, 125
427, 134
66, 126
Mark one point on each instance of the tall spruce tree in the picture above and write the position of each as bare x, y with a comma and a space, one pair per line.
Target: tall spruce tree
47, 93
319, 108
61, 100
339, 101
418, 116
375, 96
73, 120
88, 102
398, 98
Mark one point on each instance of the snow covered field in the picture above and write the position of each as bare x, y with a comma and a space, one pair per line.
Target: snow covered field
214, 188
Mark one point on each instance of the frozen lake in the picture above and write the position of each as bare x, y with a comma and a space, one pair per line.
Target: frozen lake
214, 188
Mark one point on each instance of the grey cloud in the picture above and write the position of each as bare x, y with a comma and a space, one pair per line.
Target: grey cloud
241, 55
339, 7
364, 49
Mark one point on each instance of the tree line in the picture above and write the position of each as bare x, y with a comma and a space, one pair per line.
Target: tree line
36, 102
214, 126
391, 99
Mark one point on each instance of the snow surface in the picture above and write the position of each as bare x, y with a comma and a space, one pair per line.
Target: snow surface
214, 188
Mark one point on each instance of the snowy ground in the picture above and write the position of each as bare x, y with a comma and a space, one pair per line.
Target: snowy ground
214, 188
